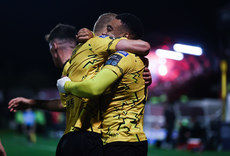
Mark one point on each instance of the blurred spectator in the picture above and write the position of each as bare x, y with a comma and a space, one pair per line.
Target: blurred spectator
19, 120
169, 125
29, 125
40, 122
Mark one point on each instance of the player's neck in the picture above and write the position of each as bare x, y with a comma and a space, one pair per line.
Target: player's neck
65, 57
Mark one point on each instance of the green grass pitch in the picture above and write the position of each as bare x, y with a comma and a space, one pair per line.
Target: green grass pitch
16, 144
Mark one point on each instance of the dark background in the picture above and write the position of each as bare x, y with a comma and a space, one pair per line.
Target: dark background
25, 59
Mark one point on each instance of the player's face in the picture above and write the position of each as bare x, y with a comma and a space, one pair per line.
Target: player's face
104, 31
114, 28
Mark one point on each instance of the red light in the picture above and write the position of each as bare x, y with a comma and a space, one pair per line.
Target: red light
165, 47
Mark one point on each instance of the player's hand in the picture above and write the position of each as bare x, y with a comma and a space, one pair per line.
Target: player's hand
61, 84
84, 35
19, 103
147, 76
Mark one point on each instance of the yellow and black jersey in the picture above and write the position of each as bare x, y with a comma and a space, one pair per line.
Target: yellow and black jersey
64, 73
68, 103
86, 61
65, 68
88, 58
125, 100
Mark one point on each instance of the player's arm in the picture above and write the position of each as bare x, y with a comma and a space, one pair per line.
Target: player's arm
147, 77
88, 88
21, 103
138, 47
146, 74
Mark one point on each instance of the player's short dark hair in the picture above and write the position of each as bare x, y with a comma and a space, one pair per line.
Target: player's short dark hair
133, 24
62, 31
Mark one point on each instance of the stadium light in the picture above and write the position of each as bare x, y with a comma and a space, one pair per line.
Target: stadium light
188, 49
169, 54
162, 69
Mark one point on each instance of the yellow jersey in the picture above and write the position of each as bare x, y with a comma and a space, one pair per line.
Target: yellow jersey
124, 101
86, 61
68, 103
64, 73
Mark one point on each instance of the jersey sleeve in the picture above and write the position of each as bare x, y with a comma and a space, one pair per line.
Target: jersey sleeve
119, 62
107, 43
92, 87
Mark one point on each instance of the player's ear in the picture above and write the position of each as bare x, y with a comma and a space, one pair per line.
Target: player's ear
126, 35
55, 45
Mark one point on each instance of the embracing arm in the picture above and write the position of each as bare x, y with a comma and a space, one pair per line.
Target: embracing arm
138, 47
92, 87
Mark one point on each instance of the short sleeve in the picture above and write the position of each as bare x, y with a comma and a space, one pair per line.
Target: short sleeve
119, 62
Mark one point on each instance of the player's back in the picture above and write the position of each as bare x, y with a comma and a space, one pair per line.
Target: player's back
86, 61
124, 103
88, 58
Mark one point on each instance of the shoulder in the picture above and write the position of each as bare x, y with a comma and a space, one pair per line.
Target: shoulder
125, 55
109, 37
102, 38
119, 56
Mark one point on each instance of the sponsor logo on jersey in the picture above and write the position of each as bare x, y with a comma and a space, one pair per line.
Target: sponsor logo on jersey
103, 36
113, 60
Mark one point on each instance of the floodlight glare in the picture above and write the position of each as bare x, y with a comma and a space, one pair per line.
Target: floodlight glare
162, 69
188, 49
169, 54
